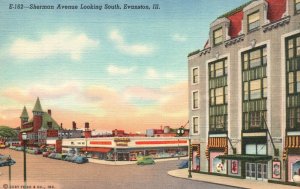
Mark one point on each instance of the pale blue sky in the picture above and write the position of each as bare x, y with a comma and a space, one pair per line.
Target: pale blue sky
126, 51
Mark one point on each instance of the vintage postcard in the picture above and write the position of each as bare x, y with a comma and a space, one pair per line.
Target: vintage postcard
152, 94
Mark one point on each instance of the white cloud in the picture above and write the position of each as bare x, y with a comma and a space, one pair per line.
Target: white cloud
116, 70
152, 73
179, 38
130, 49
62, 42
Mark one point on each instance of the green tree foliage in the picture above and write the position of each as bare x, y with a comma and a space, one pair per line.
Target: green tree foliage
7, 132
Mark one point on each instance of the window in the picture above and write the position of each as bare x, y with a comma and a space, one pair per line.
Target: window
255, 119
256, 149
253, 21
255, 87
293, 82
297, 6
255, 58
195, 75
293, 116
195, 100
293, 46
218, 95
195, 124
218, 36
218, 68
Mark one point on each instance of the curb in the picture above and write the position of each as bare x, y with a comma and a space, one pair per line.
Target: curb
185, 178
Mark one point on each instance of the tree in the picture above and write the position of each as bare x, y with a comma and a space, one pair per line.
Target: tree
7, 132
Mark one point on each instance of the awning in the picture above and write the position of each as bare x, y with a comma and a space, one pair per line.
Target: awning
96, 149
247, 157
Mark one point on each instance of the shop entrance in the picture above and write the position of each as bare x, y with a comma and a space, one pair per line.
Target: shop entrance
123, 156
256, 171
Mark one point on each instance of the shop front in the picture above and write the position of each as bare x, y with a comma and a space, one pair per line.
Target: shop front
128, 148
217, 146
292, 158
195, 157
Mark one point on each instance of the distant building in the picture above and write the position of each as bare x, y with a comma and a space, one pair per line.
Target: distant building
39, 127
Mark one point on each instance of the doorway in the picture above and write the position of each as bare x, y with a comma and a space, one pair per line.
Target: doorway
256, 171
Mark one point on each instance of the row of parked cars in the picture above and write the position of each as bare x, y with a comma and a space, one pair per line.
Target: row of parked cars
70, 157
28, 150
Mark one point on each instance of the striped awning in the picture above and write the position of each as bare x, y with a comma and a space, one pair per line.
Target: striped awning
216, 142
290, 143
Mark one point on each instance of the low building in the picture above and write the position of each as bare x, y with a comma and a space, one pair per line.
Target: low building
127, 148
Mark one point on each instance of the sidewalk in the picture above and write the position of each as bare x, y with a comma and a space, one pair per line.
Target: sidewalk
228, 181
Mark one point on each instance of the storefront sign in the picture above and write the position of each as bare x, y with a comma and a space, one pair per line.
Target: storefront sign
101, 142
122, 139
276, 169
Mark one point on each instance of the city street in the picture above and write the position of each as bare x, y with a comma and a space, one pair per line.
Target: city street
47, 173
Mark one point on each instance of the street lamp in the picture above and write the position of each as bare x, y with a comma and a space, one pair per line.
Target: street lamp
24, 138
9, 170
190, 158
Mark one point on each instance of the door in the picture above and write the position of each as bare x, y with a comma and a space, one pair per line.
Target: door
251, 171
256, 171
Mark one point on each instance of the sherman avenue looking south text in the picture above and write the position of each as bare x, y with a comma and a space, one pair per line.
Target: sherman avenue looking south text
84, 6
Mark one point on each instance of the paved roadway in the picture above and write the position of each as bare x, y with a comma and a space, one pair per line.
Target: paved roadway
45, 173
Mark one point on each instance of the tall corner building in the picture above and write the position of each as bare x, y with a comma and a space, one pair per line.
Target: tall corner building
244, 93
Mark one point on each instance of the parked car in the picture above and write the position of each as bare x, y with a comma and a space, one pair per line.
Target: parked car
58, 156
52, 155
145, 160
69, 158
46, 154
19, 148
183, 164
81, 159
37, 151
74, 157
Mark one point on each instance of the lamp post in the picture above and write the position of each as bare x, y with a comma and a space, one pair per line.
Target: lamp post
190, 158
24, 138
9, 170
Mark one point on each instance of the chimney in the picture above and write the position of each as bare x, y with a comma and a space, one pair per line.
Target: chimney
61, 125
49, 112
74, 125
86, 125
49, 124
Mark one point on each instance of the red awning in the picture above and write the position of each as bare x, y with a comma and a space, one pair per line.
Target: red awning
96, 149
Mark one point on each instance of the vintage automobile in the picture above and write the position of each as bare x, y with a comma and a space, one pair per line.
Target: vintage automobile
81, 159
145, 160
69, 158
52, 155
183, 164
46, 154
2, 145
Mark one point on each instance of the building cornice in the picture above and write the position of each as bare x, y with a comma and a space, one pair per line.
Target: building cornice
282, 22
